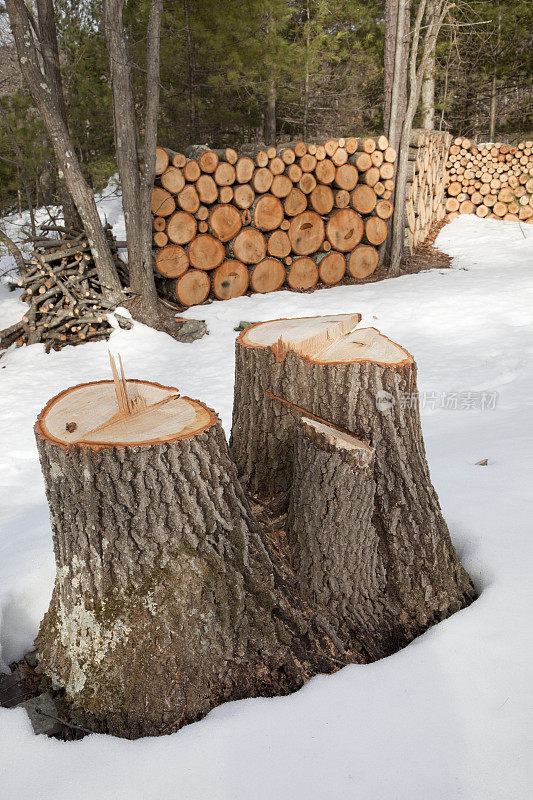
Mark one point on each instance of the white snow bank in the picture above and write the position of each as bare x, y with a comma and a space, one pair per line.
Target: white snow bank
449, 716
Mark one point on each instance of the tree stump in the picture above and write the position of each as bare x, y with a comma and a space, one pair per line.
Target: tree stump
362, 382
167, 600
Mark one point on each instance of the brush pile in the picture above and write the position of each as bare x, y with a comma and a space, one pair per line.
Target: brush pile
61, 287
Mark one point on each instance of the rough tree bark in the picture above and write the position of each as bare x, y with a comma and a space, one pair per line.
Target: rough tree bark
366, 385
270, 114
428, 94
396, 56
136, 185
167, 600
47, 104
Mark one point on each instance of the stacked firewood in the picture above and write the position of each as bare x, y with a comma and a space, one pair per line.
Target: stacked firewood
61, 287
297, 215
490, 180
426, 184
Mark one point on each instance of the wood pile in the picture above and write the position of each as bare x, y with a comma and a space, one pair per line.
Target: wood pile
62, 290
295, 216
426, 184
490, 180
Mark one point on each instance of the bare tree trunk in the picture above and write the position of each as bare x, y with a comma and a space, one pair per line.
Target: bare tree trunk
270, 114
428, 94
69, 169
136, 187
493, 108
396, 61
52, 70
436, 12
306, 81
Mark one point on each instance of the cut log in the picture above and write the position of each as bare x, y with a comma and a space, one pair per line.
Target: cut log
225, 173
179, 160
331, 146
364, 199
303, 274
386, 171
207, 189
249, 246
363, 261
206, 252
363, 162
225, 221
181, 227
368, 145
276, 166
193, 287
244, 195
295, 202
306, 233
363, 377
332, 268
288, 156
162, 203
172, 261
225, 194
261, 158
346, 177
161, 160
192, 171
268, 212
375, 230
340, 156
268, 275
279, 244
325, 171
307, 162
230, 280
384, 209
300, 149
322, 199
262, 180
281, 186
342, 198
307, 182
160, 223
371, 176
188, 199
345, 230
172, 180
160, 238
294, 172
208, 161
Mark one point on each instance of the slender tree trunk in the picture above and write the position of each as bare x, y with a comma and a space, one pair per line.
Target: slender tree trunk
306, 81
136, 188
270, 114
396, 67
69, 169
428, 94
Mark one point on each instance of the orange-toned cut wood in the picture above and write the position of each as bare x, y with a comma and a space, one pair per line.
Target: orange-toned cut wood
377, 158
320, 154
340, 156
342, 198
364, 199
276, 166
230, 280
244, 195
192, 171
375, 230
308, 162
246, 216
390, 155
268, 212
325, 171
322, 199
225, 221
382, 142
279, 244
179, 160
225, 194
303, 274
188, 199
161, 160
203, 227
172, 261
244, 169
346, 177
332, 268
181, 227
371, 176
261, 158
160, 238
267, 276
288, 156
368, 145
225, 173
206, 252
306, 233
312, 148
351, 145
271, 152
300, 149
294, 172
331, 145
208, 161
193, 287
386, 171
363, 162
162, 202
384, 209
231, 155
207, 189
262, 180
202, 213
363, 261
295, 202
160, 223
172, 180
249, 246
467, 207
281, 186
307, 182
345, 229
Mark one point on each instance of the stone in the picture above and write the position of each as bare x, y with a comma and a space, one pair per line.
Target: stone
41, 710
243, 324
190, 330
31, 659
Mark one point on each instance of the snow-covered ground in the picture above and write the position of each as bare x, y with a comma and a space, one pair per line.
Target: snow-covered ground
448, 717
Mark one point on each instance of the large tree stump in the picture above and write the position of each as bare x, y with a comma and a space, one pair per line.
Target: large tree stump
167, 601
361, 381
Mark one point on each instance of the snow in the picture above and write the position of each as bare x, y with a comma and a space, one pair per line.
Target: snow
449, 716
